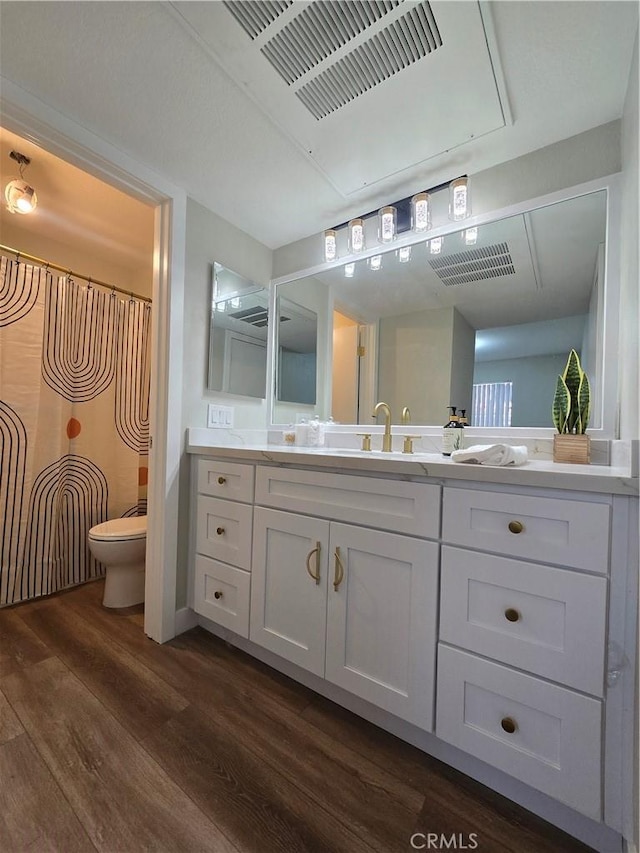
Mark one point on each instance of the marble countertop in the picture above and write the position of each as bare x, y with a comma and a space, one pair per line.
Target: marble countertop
537, 473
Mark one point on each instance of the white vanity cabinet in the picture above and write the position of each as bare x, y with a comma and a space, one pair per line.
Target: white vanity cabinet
223, 533
522, 644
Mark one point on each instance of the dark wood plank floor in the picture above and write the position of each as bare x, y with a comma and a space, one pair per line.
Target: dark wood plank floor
111, 742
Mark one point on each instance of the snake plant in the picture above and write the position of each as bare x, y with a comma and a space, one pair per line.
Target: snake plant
572, 400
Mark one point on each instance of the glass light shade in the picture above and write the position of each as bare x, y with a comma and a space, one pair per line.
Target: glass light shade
356, 235
375, 262
20, 197
459, 199
404, 254
387, 224
235, 302
435, 245
349, 270
470, 236
421, 212
330, 245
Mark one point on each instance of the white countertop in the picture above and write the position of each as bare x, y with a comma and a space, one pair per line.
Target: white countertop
538, 473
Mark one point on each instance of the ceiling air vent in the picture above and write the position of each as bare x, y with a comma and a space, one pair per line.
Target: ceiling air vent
405, 41
319, 31
474, 265
254, 16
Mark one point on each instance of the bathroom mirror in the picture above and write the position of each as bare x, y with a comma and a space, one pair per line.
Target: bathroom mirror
498, 304
237, 335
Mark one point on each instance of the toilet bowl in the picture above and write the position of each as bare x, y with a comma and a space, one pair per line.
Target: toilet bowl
121, 544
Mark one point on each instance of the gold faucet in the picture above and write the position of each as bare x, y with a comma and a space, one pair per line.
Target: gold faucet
386, 438
406, 415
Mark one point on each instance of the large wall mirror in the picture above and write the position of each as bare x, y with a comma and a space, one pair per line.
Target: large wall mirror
482, 318
238, 334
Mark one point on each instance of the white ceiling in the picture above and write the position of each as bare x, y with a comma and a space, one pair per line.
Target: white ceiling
180, 87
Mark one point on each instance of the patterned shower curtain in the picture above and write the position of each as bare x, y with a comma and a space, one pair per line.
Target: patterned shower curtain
74, 424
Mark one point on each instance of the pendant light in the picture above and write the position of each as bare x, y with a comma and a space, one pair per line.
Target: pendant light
459, 200
330, 245
387, 224
356, 235
20, 197
421, 212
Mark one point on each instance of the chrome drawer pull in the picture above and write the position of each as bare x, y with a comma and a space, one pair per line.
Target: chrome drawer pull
511, 614
217, 594
516, 526
222, 480
219, 530
509, 725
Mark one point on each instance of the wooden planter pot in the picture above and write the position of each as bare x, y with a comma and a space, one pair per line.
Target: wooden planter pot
572, 448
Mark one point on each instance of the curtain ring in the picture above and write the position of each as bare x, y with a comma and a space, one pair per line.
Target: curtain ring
89, 285
17, 259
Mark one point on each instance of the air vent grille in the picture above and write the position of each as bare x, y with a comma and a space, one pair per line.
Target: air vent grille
474, 265
254, 16
318, 31
389, 51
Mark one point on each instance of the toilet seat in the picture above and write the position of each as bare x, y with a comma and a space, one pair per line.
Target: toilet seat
120, 529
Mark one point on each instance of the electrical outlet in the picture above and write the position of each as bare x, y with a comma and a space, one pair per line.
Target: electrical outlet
219, 417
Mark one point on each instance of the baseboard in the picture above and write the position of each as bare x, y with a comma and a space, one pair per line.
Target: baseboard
186, 618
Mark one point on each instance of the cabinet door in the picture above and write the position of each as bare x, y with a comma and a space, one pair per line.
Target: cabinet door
288, 604
381, 620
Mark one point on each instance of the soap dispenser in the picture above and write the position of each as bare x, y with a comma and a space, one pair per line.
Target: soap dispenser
451, 434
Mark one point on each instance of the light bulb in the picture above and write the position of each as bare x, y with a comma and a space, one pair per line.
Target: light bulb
375, 262
471, 236
404, 254
459, 201
356, 235
387, 224
421, 212
435, 245
330, 245
349, 270
20, 197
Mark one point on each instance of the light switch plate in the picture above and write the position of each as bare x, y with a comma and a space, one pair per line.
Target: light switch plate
219, 417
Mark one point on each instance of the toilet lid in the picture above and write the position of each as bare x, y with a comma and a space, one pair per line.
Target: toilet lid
120, 528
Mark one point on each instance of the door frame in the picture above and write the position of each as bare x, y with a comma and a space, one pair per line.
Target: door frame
27, 116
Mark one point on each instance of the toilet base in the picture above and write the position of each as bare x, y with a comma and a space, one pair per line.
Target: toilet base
124, 585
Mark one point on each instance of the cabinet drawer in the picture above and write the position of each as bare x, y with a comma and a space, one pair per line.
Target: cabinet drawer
226, 480
402, 507
547, 736
570, 533
222, 594
549, 621
223, 531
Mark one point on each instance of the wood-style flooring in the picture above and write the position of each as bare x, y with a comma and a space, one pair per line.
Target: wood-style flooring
113, 743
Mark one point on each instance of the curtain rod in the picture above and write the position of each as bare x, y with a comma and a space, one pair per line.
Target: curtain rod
89, 279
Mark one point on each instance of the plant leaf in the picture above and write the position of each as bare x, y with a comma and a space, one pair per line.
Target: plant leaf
584, 404
561, 405
572, 377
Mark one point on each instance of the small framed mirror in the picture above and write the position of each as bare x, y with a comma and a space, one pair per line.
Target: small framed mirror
237, 334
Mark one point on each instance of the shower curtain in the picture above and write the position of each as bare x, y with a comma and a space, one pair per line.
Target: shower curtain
74, 424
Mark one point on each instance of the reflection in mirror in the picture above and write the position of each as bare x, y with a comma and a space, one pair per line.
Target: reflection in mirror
483, 321
297, 352
238, 335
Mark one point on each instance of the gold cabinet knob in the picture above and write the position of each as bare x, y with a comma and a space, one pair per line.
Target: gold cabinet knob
511, 614
217, 594
516, 526
509, 725
219, 530
222, 481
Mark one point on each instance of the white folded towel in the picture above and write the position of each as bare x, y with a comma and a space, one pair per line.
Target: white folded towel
492, 454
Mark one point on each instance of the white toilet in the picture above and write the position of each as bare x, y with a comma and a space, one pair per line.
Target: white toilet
121, 544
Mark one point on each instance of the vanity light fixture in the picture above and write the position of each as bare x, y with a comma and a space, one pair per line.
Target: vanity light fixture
470, 236
20, 197
330, 245
356, 235
375, 262
420, 212
404, 254
459, 200
387, 224
435, 245
349, 270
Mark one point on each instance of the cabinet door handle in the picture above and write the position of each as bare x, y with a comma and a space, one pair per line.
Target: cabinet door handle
338, 572
511, 614
316, 551
516, 526
220, 531
509, 725
222, 480
217, 594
